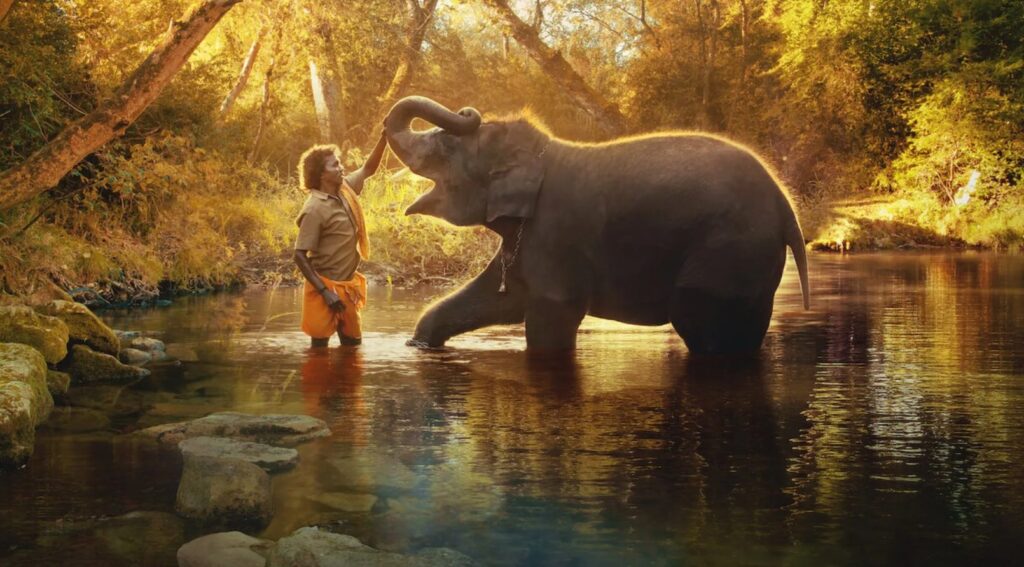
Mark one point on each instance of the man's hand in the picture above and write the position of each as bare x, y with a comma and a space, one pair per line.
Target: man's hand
332, 299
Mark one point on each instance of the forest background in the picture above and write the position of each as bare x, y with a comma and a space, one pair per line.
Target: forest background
894, 123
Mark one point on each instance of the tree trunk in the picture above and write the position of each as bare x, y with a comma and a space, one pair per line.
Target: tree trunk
44, 168
5, 8
605, 114
323, 116
265, 101
332, 88
708, 21
419, 21
744, 30
243, 75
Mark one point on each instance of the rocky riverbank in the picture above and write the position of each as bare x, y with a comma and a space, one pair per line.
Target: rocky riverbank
48, 349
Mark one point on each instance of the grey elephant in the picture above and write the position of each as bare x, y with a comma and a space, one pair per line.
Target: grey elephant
678, 228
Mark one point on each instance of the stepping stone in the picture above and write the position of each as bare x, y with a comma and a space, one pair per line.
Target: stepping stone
223, 492
225, 549
268, 458
272, 429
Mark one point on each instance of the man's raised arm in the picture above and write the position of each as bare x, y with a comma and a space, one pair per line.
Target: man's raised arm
356, 178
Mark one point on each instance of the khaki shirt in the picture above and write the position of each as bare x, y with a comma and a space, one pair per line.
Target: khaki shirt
327, 231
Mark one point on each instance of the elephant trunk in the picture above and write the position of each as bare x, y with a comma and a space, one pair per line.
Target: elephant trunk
412, 147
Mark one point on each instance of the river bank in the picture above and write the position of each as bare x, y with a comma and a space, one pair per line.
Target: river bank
111, 267
874, 222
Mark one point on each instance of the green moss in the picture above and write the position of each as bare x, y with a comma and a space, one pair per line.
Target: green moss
86, 366
48, 335
83, 326
25, 401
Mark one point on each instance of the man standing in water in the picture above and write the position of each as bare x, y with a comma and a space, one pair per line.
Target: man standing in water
332, 239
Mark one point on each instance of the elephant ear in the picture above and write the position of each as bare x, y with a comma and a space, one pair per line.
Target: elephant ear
514, 189
515, 180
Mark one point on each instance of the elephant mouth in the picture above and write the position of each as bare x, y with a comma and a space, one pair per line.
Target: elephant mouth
426, 203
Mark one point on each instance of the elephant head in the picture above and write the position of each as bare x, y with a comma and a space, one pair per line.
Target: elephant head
481, 171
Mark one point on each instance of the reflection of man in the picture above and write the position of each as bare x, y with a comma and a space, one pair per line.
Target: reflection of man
332, 238
332, 389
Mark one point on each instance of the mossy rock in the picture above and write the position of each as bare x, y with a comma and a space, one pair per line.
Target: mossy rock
87, 366
83, 325
48, 335
25, 401
58, 382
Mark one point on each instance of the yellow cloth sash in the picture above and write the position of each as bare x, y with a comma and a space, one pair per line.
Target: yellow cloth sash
363, 244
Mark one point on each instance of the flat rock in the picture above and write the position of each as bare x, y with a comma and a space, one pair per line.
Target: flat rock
271, 429
77, 420
345, 501
134, 357
86, 366
223, 491
268, 458
83, 325
126, 336
312, 547
159, 356
147, 344
224, 549
48, 335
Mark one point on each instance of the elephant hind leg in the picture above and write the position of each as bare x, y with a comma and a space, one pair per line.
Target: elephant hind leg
713, 324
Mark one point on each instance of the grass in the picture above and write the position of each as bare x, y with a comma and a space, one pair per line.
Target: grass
917, 220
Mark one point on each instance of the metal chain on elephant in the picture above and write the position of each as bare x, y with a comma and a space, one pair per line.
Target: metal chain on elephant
512, 259
518, 237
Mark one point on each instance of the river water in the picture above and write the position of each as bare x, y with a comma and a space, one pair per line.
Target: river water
883, 426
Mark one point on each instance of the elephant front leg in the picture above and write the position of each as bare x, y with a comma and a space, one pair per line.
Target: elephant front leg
477, 304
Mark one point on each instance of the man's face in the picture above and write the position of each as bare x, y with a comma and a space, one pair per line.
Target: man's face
333, 170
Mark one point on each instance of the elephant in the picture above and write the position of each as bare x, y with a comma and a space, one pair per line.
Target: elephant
682, 228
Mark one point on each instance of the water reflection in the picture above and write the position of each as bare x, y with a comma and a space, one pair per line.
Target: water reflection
883, 427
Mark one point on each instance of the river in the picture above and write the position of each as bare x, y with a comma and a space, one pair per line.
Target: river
883, 426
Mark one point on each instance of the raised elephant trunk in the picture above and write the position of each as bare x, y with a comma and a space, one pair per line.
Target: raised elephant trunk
412, 147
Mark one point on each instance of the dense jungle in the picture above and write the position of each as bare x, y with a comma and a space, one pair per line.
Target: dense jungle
894, 124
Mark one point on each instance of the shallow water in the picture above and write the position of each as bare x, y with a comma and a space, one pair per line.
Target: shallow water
883, 426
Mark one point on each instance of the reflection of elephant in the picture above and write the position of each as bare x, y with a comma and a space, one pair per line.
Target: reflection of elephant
681, 228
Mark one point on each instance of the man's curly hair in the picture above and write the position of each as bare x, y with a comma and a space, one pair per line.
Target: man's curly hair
311, 164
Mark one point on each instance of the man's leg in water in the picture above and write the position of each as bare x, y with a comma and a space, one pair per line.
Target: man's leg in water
347, 341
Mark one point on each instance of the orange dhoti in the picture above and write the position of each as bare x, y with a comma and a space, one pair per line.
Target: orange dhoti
320, 321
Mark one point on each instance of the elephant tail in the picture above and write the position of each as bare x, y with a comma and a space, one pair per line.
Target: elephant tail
795, 241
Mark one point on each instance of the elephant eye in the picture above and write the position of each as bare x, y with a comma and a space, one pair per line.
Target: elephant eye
496, 173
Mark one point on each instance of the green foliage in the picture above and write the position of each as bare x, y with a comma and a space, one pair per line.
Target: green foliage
906, 98
41, 84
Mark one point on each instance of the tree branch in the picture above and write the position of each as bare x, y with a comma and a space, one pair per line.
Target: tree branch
419, 20
243, 75
45, 168
5, 8
606, 114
